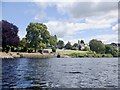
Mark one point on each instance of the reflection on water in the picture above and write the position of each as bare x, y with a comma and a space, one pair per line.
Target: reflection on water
60, 72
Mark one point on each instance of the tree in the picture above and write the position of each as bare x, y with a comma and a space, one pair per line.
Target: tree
60, 44
111, 50
75, 46
87, 48
37, 33
10, 36
23, 45
97, 46
68, 45
23, 42
53, 49
53, 40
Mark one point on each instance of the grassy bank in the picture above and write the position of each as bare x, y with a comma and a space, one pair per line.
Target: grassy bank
78, 54
89, 54
67, 52
63, 53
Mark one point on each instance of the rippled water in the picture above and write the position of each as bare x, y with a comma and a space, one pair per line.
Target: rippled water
60, 72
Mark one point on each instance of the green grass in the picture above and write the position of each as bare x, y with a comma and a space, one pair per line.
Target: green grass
77, 53
67, 52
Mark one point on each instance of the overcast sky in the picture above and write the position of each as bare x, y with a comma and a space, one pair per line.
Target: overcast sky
70, 21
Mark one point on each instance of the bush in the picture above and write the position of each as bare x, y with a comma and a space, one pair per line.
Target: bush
104, 55
87, 48
7, 49
30, 50
24, 49
40, 51
53, 49
12, 49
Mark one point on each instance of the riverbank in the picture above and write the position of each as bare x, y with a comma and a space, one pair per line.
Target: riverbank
5, 55
25, 55
62, 53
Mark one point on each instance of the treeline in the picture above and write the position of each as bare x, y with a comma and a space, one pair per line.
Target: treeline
38, 38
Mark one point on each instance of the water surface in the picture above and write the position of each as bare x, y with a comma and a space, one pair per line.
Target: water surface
60, 73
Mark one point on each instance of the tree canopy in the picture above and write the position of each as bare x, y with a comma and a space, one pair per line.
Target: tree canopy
53, 40
111, 50
9, 35
97, 46
37, 35
60, 44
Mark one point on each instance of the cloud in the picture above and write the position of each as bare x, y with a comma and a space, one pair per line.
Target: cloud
62, 29
68, 30
106, 11
86, 9
97, 15
105, 38
115, 28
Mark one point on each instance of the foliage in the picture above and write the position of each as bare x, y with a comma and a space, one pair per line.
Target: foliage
30, 50
9, 34
68, 46
97, 46
23, 42
53, 40
60, 44
37, 33
42, 46
119, 53
76, 55
87, 48
7, 49
111, 50
40, 51
89, 54
53, 49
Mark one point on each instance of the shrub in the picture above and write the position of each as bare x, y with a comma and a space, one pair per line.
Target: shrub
12, 49
40, 51
30, 50
7, 49
53, 49
87, 48
24, 49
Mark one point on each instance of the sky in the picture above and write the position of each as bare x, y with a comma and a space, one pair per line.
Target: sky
70, 21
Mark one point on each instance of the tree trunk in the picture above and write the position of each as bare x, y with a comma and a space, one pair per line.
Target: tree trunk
35, 50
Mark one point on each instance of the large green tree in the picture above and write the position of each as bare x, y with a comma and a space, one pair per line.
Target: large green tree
97, 46
37, 34
60, 44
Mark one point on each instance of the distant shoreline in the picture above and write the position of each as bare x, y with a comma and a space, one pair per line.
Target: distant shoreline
12, 55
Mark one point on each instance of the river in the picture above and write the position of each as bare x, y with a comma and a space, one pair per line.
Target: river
60, 73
